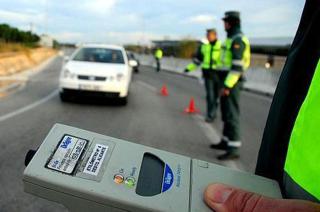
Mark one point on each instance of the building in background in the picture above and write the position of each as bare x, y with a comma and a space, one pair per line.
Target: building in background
46, 41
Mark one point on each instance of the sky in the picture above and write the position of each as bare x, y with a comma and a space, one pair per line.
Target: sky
140, 21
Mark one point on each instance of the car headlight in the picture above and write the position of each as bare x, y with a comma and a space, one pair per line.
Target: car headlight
120, 77
133, 63
68, 74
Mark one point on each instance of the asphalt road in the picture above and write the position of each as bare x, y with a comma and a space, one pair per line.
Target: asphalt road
27, 115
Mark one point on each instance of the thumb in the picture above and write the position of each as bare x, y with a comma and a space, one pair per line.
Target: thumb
223, 198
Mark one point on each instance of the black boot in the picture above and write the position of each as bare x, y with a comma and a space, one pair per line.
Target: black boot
223, 145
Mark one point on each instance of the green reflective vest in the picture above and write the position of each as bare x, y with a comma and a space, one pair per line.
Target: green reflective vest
228, 61
192, 67
303, 156
158, 54
211, 55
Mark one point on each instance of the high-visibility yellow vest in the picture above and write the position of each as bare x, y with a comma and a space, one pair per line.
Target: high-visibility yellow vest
211, 57
303, 156
158, 54
228, 61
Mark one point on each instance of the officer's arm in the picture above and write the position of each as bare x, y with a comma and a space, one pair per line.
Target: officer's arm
238, 47
196, 61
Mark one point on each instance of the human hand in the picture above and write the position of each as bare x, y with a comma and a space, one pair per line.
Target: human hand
225, 92
223, 198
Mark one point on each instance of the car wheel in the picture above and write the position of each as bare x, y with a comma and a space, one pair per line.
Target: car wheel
64, 97
123, 100
136, 70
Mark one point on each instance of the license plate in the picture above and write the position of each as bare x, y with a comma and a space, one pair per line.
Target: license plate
90, 87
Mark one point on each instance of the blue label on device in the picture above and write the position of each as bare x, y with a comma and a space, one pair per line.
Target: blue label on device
167, 178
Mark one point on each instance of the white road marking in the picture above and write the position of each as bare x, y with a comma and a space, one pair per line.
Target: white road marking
29, 107
214, 137
146, 85
210, 132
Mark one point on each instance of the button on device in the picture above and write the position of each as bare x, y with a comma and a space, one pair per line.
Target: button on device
203, 164
130, 182
118, 178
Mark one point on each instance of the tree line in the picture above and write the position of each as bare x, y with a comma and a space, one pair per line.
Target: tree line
181, 49
10, 34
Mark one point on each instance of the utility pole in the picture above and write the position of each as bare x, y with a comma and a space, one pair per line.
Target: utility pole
46, 18
31, 27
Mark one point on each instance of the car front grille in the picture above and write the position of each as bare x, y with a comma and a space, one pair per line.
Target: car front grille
91, 78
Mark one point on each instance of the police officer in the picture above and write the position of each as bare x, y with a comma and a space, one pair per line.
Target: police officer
158, 56
235, 60
208, 56
290, 149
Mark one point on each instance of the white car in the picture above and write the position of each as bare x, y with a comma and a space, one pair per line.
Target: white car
97, 70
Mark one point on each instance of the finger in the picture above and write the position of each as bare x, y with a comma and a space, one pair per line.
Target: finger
223, 198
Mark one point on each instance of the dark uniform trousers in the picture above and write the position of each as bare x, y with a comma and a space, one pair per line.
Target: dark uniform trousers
212, 85
230, 110
158, 64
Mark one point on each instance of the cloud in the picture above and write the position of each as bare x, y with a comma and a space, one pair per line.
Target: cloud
112, 37
280, 14
32, 2
91, 20
279, 21
99, 7
69, 36
18, 17
132, 37
201, 19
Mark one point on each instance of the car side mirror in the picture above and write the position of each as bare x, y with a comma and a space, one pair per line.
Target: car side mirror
133, 63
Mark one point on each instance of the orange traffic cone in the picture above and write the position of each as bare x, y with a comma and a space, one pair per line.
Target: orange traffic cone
164, 91
192, 107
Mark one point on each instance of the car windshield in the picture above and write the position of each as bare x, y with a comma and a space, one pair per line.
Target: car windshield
99, 55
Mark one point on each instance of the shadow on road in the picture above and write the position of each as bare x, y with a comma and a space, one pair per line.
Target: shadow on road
96, 101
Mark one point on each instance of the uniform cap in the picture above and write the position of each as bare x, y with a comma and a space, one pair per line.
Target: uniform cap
231, 15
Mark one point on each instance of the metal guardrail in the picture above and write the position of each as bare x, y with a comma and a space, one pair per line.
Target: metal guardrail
258, 79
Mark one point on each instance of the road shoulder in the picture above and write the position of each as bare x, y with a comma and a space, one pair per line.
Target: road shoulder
17, 81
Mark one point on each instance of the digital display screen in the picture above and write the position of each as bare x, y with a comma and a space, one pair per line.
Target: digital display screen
150, 176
